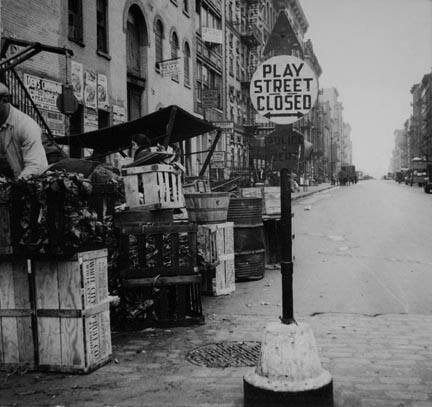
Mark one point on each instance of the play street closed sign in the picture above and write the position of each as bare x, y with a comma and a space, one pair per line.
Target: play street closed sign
283, 89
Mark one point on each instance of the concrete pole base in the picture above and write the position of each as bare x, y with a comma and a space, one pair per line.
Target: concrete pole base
289, 371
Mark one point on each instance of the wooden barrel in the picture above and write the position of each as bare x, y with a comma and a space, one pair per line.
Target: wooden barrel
248, 238
208, 207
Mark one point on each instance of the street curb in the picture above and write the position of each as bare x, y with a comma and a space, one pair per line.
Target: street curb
306, 194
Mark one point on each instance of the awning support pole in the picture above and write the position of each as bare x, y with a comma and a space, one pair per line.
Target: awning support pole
170, 126
211, 151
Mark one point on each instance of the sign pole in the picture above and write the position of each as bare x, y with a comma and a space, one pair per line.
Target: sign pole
284, 88
287, 267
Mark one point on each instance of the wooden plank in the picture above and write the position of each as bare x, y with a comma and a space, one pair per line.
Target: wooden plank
93, 254
180, 300
24, 325
72, 342
175, 255
225, 278
47, 297
70, 298
69, 285
150, 188
175, 193
131, 191
164, 299
102, 278
148, 169
229, 238
161, 185
162, 281
9, 324
5, 229
170, 228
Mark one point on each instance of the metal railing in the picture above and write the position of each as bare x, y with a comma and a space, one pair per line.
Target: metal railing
21, 98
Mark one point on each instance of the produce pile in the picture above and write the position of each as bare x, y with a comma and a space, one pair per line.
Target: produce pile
50, 215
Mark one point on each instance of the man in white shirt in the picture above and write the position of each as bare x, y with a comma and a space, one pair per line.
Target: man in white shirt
21, 151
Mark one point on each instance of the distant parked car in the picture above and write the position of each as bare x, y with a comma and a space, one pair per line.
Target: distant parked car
428, 179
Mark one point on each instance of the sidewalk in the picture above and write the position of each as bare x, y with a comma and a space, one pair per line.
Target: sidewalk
311, 190
375, 361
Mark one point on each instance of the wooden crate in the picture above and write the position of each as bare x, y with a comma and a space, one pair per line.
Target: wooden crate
158, 250
160, 185
216, 246
270, 198
102, 200
5, 226
196, 184
72, 312
16, 330
219, 279
176, 301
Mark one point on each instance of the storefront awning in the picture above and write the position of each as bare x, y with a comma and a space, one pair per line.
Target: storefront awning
155, 126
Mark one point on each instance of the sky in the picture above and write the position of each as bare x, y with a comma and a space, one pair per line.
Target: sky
373, 52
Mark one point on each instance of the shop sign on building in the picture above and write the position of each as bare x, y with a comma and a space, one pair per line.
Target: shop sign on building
44, 94
102, 92
218, 156
284, 89
210, 98
212, 35
170, 67
90, 89
225, 125
77, 75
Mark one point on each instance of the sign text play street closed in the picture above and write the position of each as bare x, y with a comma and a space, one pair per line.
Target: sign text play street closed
283, 89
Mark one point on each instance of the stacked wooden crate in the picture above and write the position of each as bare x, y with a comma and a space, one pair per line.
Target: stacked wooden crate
54, 314
157, 262
156, 186
216, 249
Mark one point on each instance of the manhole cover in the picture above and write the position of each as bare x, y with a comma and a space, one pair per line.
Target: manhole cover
226, 354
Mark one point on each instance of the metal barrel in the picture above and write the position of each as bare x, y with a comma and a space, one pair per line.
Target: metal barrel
246, 213
245, 210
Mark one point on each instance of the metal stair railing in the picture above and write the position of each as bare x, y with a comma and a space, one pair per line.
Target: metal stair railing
20, 98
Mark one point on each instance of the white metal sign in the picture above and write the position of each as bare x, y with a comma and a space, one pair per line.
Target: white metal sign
170, 67
283, 89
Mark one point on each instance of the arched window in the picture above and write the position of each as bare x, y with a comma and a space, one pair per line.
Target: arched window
159, 33
174, 50
186, 61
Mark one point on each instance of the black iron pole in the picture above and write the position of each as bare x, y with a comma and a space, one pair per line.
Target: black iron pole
286, 248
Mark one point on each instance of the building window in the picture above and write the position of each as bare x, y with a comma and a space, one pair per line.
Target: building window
75, 20
186, 61
174, 51
186, 6
102, 26
231, 66
159, 43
